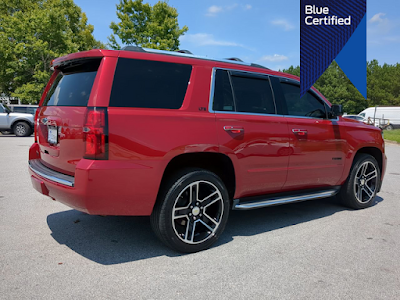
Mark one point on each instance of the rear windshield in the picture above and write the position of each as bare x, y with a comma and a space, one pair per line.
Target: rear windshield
72, 85
149, 84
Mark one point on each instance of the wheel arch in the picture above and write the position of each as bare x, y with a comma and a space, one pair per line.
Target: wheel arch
218, 163
374, 152
15, 121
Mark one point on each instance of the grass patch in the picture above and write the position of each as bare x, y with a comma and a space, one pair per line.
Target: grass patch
392, 135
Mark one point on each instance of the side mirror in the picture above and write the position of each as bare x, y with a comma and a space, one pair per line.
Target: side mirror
336, 111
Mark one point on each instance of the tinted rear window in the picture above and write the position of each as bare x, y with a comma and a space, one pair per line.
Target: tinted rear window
223, 98
149, 84
72, 85
253, 95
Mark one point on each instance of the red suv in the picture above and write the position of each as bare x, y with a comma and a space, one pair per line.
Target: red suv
185, 139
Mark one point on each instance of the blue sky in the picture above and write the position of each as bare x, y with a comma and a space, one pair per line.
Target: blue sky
261, 31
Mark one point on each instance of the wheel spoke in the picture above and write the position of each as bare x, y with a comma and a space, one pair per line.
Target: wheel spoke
181, 212
210, 199
364, 168
194, 193
193, 229
371, 175
191, 194
209, 218
370, 192
205, 224
206, 199
189, 228
359, 193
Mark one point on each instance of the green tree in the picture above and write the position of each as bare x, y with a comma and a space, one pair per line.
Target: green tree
383, 86
146, 26
32, 34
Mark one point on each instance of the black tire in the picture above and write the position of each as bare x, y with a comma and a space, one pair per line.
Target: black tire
191, 216
389, 127
21, 129
359, 190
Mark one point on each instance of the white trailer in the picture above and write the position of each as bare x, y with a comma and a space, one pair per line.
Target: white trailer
387, 117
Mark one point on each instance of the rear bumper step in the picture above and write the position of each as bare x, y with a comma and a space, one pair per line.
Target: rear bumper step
259, 202
37, 167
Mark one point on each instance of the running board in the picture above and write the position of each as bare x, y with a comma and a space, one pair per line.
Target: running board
259, 202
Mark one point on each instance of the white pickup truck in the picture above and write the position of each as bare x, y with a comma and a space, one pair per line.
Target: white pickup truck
19, 123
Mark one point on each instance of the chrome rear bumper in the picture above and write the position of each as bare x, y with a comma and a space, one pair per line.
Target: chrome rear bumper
36, 166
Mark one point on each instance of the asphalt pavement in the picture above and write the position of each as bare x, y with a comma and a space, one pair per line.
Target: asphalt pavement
309, 250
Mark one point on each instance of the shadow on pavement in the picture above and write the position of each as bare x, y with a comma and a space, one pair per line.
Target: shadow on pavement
115, 240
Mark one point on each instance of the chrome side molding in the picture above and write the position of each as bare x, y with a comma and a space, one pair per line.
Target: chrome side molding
239, 204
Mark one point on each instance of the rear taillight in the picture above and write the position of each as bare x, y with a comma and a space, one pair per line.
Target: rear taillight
95, 133
36, 124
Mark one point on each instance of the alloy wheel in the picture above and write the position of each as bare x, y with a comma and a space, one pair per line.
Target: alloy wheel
365, 183
20, 129
197, 212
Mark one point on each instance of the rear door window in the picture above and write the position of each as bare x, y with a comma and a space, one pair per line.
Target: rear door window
149, 84
223, 98
253, 95
241, 92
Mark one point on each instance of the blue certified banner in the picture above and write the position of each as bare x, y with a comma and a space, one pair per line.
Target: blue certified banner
333, 30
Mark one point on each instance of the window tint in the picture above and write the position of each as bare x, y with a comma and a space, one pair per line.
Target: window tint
149, 84
253, 95
1, 109
70, 89
307, 106
223, 99
73, 84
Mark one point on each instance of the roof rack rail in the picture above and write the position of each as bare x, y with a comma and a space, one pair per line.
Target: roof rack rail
184, 51
234, 59
259, 66
133, 48
187, 53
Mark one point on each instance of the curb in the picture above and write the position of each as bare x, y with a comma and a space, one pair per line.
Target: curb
392, 142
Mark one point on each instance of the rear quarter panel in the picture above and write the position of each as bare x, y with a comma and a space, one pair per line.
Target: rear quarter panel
150, 138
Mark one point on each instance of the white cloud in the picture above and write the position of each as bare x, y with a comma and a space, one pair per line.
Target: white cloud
377, 18
274, 58
285, 24
381, 31
205, 39
214, 10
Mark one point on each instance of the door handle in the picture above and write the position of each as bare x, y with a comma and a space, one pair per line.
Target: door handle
234, 129
301, 132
